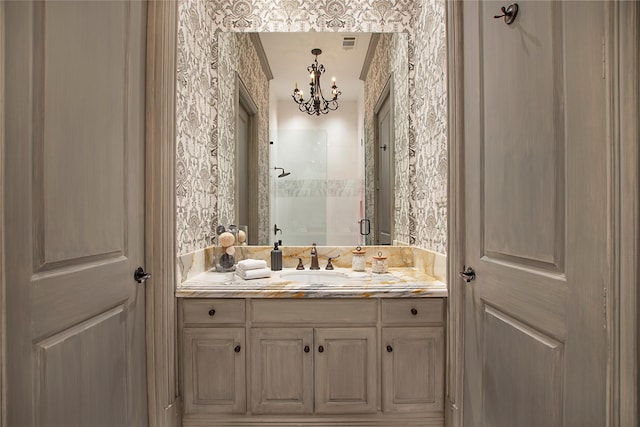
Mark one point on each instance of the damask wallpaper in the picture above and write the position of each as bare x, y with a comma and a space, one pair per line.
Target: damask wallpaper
196, 140
428, 147
197, 162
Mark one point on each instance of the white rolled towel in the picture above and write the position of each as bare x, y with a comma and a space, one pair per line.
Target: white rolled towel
258, 273
251, 264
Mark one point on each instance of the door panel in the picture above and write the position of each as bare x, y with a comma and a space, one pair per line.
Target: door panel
527, 363
282, 371
345, 371
413, 369
522, 145
384, 178
536, 195
74, 213
214, 370
80, 132
72, 363
243, 166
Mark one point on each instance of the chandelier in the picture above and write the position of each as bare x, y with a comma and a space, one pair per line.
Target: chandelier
316, 104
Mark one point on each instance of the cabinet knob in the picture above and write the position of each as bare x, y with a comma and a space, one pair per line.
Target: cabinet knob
306, 349
212, 312
237, 349
389, 349
414, 311
321, 349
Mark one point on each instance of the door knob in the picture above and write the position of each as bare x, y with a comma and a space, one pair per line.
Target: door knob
140, 275
468, 274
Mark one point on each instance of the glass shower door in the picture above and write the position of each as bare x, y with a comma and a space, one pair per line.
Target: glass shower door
300, 208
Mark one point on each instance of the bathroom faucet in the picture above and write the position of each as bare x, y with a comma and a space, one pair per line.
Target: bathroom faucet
314, 258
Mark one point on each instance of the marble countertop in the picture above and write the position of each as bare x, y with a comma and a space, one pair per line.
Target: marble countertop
340, 283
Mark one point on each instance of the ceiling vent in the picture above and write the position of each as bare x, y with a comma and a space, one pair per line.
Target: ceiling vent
348, 42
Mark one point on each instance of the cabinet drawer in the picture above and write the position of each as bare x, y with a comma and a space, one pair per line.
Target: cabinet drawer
314, 311
413, 311
213, 311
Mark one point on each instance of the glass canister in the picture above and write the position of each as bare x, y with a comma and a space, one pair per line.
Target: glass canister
358, 262
225, 249
379, 263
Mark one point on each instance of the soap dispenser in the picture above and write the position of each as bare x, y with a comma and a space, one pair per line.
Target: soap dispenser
276, 258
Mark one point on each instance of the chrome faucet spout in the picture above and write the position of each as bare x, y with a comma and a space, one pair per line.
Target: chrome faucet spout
314, 258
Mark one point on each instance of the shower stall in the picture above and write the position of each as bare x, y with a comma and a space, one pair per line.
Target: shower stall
299, 191
314, 199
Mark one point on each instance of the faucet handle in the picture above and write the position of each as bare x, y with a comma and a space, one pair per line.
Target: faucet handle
300, 265
329, 265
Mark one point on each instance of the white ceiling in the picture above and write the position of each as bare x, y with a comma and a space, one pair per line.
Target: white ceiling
289, 55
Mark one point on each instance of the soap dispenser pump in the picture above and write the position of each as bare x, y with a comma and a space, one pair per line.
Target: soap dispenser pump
276, 258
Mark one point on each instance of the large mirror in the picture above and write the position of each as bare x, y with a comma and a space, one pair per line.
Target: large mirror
339, 178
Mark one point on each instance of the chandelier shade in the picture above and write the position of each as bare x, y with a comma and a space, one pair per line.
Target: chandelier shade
316, 104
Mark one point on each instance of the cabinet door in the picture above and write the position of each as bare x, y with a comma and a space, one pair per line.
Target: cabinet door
214, 370
345, 370
412, 369
281, 370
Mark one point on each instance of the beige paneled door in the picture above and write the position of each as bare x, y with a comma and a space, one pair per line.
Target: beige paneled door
536, 213
74, 213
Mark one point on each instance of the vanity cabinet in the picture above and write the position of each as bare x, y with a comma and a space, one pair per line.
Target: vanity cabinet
282, 370
412, 355
295, 373
213, 356
346, 370
214, 370
313, 369
257, 361
412, 369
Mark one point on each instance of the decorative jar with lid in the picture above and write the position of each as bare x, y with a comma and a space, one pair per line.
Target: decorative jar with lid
358, 262
379, 263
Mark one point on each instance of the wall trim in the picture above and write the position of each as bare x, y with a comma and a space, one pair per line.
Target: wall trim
243, 98
386, 95
454, 379
262, 56
160, 222
3, 403
368, 59
624, 64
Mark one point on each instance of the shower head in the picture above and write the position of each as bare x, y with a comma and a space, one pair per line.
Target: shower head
283, 174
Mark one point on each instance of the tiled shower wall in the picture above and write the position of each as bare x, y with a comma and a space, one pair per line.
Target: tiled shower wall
197, 99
